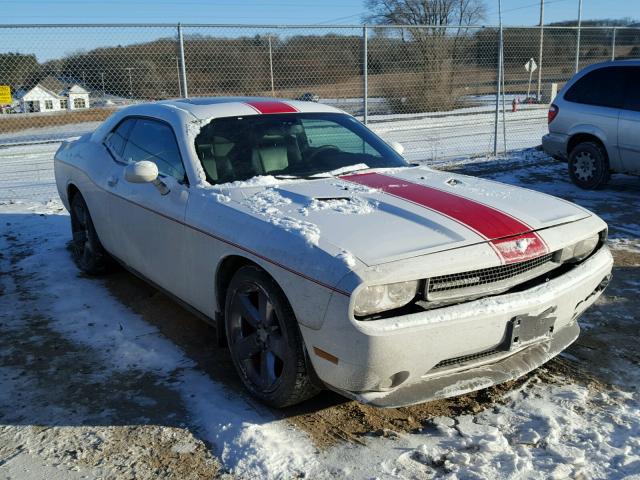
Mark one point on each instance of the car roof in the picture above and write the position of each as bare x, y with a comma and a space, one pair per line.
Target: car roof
208, 107
612, 63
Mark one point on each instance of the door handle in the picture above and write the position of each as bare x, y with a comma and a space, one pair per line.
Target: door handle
112, 180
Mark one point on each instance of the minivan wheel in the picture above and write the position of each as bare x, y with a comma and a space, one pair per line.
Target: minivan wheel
264, 340
86, 249
588, 166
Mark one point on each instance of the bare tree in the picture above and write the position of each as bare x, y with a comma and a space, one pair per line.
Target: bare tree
426, 12
438, 30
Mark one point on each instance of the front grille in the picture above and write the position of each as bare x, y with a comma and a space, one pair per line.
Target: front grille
487, 280
466, 358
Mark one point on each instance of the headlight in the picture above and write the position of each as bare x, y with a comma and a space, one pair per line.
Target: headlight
581, 250
379, 298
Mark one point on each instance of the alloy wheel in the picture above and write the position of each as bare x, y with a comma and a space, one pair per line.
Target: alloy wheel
257, 339
585, 166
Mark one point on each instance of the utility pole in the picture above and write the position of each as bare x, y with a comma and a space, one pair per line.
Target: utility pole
578, 39
273, 91
540, 52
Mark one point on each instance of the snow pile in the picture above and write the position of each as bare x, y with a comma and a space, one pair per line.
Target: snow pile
354, 187
350, 206
267, 204
347, 258
552, 431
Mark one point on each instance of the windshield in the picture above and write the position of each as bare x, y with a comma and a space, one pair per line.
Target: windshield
289, 145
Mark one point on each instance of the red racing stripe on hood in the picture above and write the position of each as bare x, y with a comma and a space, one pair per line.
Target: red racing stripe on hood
271, 106
512, 239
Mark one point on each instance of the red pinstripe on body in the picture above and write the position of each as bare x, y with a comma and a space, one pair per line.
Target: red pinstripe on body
271, 106
512, 239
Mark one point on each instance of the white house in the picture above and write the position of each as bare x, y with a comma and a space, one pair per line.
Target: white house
51, 95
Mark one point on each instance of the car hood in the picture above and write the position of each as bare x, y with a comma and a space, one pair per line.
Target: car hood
386, 215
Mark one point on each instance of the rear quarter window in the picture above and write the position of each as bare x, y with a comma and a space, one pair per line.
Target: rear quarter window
603, 87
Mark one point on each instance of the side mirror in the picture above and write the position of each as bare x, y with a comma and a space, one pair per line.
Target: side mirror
141, 172
397, 147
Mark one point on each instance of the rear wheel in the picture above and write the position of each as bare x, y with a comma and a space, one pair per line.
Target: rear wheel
86, 249
264, 340
588, 165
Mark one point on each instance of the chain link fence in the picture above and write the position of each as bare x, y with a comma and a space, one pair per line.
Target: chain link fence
431, 88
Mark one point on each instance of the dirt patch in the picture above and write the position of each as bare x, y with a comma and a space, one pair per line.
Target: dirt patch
63, 415
625, 258
14, 123
137, 451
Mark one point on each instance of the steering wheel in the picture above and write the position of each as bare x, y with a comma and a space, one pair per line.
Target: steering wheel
319, 150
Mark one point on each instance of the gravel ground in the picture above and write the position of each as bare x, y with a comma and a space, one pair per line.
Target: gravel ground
67, 410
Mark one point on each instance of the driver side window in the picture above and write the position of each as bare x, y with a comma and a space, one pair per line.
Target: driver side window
118, 138
155, 142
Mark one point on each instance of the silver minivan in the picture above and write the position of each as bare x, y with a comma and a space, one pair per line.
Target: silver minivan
594, 123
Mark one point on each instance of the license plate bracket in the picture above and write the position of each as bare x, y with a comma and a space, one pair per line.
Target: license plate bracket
524, 329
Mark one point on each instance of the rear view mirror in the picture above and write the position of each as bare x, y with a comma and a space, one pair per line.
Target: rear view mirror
399, 149
141, 172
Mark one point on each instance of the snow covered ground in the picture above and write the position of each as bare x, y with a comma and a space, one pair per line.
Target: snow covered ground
107, 378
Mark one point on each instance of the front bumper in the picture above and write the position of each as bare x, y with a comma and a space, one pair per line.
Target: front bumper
472, 379
555, 144
391, 362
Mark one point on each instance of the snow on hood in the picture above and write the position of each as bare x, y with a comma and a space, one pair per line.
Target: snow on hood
379, 226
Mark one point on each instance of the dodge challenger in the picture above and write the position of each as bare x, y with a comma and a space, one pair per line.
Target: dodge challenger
324, 259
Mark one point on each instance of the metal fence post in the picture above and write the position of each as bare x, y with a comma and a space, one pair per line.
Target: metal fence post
365, 75
273, 90
540, 52
578, 38
613, 44
498, 88
183, 70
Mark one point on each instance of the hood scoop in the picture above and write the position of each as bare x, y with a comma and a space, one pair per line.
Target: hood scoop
332, 199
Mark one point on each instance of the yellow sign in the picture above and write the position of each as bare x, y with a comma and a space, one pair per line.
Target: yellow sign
5, 95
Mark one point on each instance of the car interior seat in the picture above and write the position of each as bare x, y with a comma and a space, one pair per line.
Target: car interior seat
275, 151
215, 158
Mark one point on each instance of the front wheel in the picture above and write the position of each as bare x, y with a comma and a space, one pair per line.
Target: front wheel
86, 249
588, 166
264, 340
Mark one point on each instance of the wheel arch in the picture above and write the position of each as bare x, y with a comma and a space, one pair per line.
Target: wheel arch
227, 268
72, 191
578, 138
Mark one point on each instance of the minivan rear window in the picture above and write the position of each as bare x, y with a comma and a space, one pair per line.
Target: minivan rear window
603, 87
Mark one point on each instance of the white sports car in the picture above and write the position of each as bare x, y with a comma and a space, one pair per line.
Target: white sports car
323, 258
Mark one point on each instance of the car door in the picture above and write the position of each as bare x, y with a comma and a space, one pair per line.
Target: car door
148, 221
629, 125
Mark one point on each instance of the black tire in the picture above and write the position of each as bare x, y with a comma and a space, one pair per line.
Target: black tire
589, 165
86, 249
264, 340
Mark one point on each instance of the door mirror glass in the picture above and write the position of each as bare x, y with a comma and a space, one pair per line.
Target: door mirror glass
141, 172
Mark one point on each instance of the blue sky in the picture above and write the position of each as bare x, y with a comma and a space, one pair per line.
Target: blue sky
53, 43
277, 11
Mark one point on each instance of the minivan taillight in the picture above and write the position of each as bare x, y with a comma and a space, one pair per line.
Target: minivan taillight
552, 113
